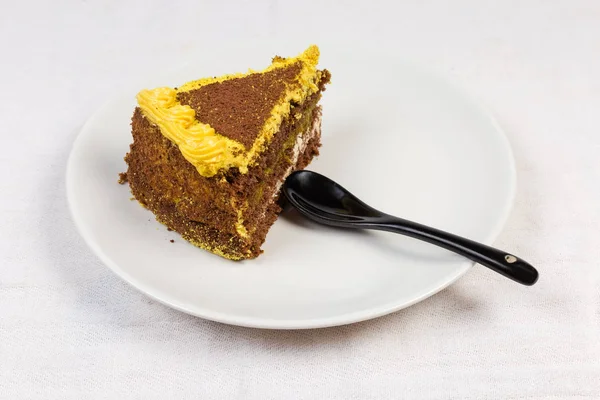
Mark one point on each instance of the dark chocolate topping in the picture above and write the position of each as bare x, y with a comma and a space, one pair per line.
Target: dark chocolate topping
238, 108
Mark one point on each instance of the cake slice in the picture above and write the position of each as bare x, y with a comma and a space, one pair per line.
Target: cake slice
209, 158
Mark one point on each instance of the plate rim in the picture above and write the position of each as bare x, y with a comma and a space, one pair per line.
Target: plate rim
293, 324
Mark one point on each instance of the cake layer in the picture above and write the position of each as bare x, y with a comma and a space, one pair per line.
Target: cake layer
229, 216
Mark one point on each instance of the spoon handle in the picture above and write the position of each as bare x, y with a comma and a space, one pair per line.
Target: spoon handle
497, 260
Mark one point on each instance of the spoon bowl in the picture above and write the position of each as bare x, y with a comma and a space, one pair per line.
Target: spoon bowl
320, 197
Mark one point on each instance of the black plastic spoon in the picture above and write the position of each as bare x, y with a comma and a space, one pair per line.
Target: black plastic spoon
324, 201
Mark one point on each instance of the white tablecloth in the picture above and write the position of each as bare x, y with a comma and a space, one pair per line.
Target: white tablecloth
70, 329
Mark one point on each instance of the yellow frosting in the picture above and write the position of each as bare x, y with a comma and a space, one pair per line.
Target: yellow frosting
239, 225
198, 142
204, 148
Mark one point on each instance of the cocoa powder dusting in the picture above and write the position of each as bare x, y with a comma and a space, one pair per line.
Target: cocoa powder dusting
238, 108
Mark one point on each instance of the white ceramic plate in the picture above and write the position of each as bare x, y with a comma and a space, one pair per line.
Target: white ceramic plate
400, 138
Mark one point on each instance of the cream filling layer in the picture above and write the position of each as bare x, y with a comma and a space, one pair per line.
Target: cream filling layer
302, 141
299, 148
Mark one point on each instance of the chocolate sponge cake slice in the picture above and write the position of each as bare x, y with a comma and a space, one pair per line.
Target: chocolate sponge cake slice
209, 158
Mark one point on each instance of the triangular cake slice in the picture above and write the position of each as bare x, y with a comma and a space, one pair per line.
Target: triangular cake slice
208, 158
